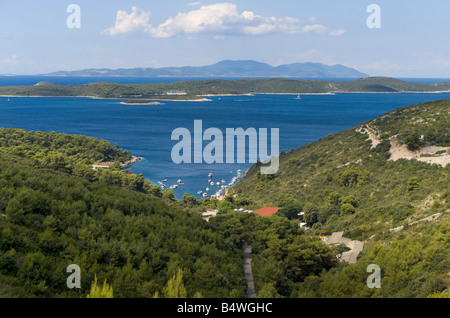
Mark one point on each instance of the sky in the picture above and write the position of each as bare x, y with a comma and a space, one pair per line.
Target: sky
406, 39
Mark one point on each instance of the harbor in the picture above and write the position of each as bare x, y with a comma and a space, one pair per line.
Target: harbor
213, 189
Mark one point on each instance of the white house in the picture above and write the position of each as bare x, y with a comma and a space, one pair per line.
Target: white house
102, 165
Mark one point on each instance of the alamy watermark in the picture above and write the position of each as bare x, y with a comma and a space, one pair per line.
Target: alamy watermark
374, 280
74, 19
374, 19
221, 149
74, 279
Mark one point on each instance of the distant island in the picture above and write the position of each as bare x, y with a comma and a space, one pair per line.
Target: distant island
226, 69
199, 90
141, 102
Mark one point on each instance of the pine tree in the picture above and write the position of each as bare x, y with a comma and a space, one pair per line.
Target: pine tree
105, 291
175, 287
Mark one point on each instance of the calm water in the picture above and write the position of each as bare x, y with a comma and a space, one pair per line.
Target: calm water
146, 130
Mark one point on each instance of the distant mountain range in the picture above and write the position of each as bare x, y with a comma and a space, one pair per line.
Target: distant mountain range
227, 69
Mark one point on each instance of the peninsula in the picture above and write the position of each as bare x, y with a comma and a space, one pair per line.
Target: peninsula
197, 90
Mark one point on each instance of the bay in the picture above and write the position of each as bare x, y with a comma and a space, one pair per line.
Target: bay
146, 130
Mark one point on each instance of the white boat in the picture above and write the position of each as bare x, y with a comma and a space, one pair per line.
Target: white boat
298, 97
205, 195
199, 192
212, 184
207, 189
210, 175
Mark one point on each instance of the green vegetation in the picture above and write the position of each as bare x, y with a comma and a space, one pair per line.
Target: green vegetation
409, 124
105, 291
283, 254
55, 210
413, 265
135, 240
345, 184
175, 287
195, 89
59, 151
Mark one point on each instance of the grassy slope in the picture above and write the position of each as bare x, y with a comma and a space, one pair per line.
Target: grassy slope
414, 261
308, 175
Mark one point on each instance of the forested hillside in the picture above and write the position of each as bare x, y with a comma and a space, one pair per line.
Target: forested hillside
136, 241
354, 167
195, 89
350, 182
56, 211
384, 182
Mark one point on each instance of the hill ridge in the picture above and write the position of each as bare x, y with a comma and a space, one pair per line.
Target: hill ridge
227, 68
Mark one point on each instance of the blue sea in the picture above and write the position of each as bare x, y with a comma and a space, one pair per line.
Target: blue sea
146, 130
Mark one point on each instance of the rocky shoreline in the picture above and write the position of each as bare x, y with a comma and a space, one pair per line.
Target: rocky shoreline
129, 162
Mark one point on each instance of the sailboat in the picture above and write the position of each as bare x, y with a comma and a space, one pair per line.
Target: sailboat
298, 97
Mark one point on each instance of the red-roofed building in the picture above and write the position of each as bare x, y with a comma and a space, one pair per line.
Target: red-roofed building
267, 211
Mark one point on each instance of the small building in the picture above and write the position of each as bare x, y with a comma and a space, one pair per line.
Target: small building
268, 211
243, 210
102, 165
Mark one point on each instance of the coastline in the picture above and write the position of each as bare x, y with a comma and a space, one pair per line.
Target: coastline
109, 98
143, 104
185, 100
204, 99
223, 95
128, 163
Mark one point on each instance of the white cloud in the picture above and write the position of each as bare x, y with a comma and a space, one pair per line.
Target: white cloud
11, 60
127, 23
316, 28
337, 32
193, 4
218, 20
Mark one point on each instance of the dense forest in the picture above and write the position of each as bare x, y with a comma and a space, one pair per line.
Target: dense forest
56, 211
124, 232
348, 182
